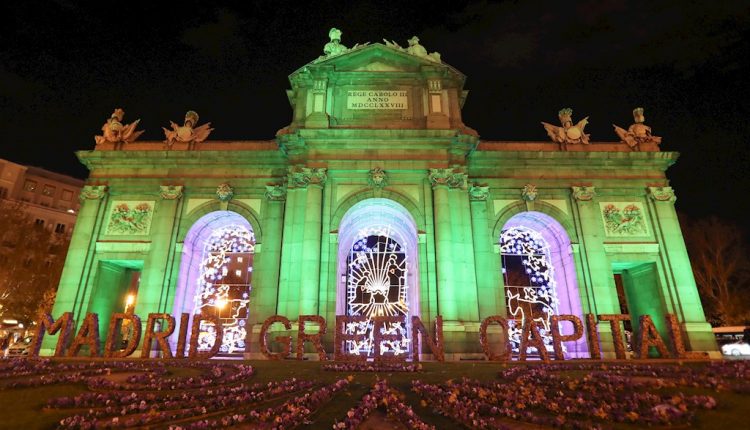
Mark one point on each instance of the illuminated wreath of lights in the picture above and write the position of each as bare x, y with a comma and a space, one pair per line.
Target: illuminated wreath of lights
223, 293
535, 296
376, 286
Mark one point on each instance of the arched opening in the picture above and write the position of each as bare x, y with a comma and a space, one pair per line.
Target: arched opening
215, 277
377, 268
539, 277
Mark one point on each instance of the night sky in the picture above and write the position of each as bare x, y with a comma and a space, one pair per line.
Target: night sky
64, 68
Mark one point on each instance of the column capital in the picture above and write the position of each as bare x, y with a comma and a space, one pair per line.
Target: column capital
92, 192
583, 193
170, 192
453, 178
529, 192
662, 194
275, 192
301, 177
478, 193
224, 192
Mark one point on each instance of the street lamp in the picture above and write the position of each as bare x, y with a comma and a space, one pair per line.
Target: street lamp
129, 301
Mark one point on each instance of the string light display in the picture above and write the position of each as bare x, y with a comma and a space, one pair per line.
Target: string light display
376, 285
224, 286
529, 282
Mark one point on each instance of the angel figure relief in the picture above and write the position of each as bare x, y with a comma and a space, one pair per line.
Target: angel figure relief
188, 132
113, 131
637, 133
568, 133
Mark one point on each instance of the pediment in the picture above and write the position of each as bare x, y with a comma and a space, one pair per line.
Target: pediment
375, 57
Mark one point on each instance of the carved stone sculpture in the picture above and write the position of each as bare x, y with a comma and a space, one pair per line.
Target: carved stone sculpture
637, 133
224, 192
415, 49
568, 133
377, 178
529, 192
113, 131
334, 47
188, 132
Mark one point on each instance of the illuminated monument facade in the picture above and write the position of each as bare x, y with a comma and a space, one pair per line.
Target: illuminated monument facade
377, 199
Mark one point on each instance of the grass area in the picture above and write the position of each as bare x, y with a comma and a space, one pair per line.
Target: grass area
22, 408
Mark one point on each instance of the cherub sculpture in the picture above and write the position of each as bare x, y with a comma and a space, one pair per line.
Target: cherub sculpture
188, 132
334, 47
113, 131
637, 133
568, 133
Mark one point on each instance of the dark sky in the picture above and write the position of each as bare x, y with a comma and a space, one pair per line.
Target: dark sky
64, 67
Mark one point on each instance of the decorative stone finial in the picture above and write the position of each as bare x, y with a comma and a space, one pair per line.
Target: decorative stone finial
638, 133
224, 192
568, 133
188, 132
113, 131
529, 192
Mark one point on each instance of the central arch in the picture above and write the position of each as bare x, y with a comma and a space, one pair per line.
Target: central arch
378, 269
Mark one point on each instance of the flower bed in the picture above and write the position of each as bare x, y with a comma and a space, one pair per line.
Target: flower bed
382, 396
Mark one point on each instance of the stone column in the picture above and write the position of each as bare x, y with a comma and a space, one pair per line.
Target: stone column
75, 274
687, 301
154, 279
599, 281
447, 305
462, 254
266, 270
311, 249
490, 289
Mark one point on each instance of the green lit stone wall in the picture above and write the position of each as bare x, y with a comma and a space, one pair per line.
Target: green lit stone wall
460, 191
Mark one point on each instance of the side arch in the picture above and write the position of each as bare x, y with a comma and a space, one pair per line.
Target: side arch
508, 212
241, 209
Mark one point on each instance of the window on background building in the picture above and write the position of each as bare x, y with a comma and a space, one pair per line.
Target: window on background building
48, 190
3, 193
529, 281
224, 286
29, 185
67, 195
60, 228
376, 286
39, 222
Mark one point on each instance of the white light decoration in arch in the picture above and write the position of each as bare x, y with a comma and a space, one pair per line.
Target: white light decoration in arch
529, 281
224, 286
376, 285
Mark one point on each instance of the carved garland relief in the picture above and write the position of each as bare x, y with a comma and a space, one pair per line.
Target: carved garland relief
624, 219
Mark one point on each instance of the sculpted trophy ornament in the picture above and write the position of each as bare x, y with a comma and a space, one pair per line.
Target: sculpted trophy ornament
188, 132
113, 131
568, 133
637, 133
415, 49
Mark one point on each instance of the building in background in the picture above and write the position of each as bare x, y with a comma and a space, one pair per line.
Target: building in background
50, 198
375, 200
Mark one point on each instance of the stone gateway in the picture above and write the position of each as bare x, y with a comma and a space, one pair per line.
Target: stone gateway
378, 208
